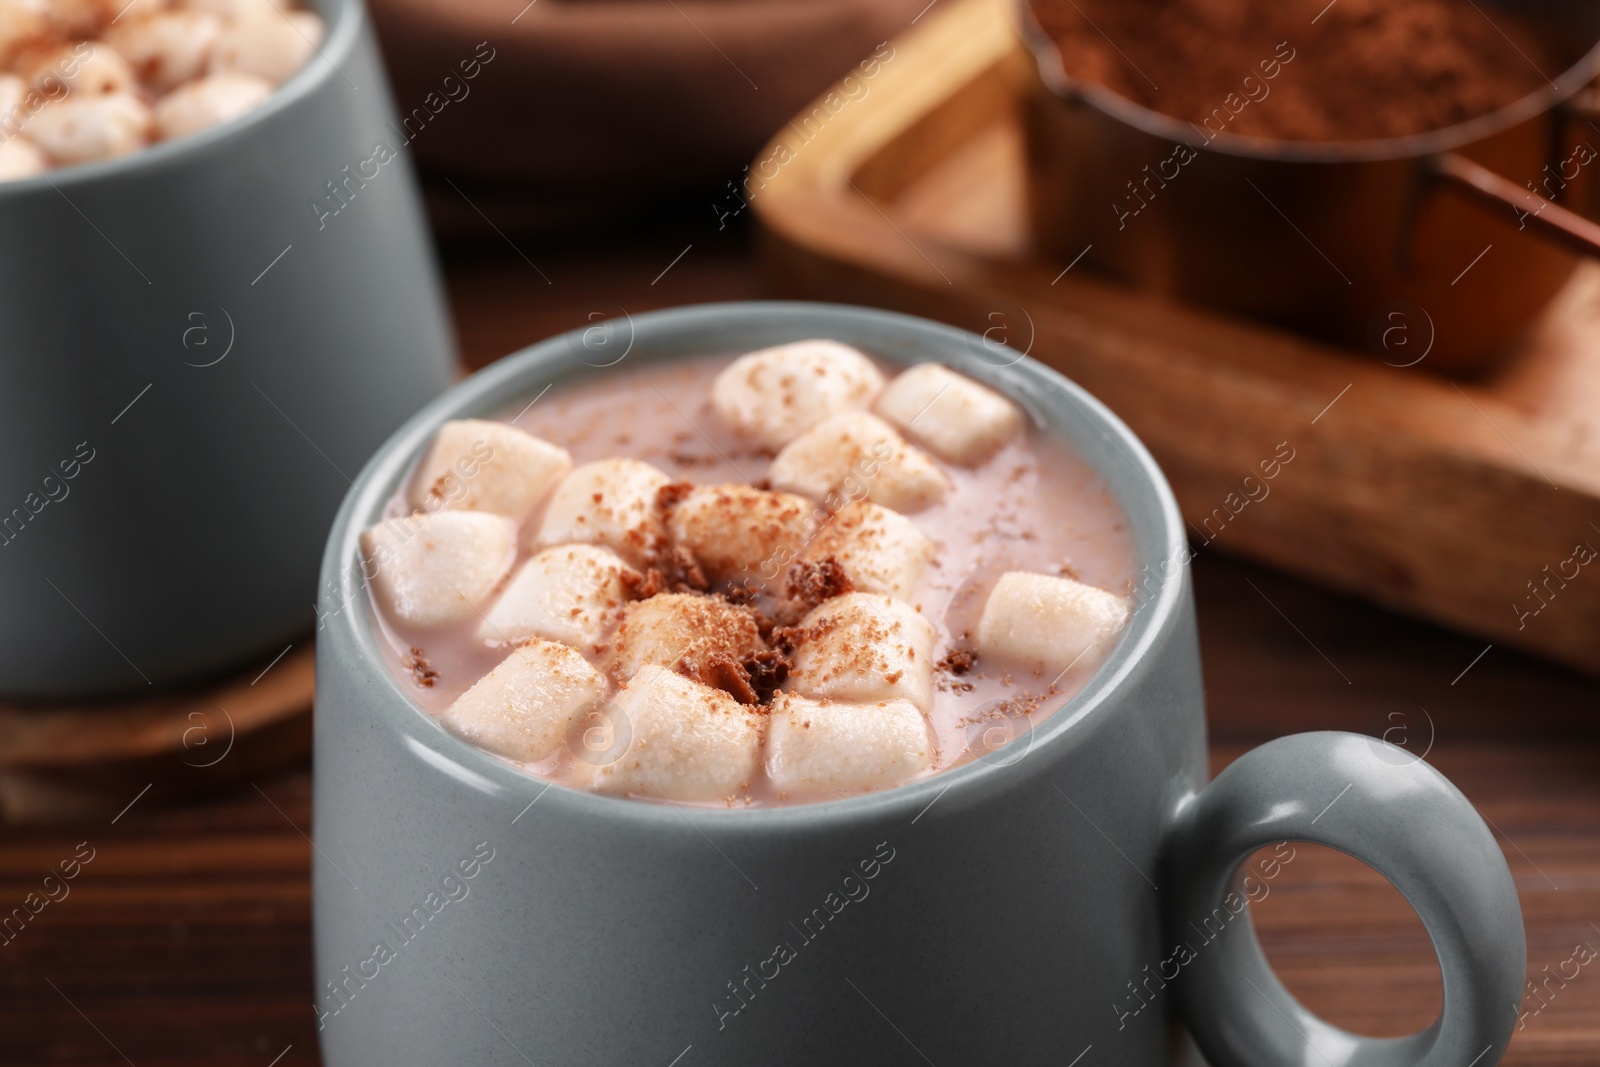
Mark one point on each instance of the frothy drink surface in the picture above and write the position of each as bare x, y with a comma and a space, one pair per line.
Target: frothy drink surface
1029, 506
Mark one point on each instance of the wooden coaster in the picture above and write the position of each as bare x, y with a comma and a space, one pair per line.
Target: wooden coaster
66, 761
1473, 504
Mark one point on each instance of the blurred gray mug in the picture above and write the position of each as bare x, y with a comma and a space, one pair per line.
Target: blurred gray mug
200, 343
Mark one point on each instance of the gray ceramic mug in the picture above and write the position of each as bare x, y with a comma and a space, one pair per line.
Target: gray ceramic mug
1058, 901
195, 357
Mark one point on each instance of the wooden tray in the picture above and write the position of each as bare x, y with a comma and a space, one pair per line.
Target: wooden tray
72, 761
1447, 500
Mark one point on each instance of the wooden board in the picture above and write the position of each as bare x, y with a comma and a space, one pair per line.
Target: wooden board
1458, 502
63, 761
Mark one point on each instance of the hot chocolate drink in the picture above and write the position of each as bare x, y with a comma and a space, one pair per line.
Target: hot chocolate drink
791, 576
87, 80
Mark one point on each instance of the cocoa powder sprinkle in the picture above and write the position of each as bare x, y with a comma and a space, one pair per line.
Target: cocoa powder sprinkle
422, 672
813, 581
1364, 69
958, 661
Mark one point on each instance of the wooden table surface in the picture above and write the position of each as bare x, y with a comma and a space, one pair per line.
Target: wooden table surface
186, 938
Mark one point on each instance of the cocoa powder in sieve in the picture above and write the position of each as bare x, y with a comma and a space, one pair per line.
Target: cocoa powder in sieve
1363, 69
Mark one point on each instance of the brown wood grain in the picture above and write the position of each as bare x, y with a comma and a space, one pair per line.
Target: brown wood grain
61, 759
186, 941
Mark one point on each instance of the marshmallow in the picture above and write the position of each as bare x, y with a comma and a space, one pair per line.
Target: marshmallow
20, 158
1048, 623
881, 551
100, 79
570, 594
741, 535
610, 502
864, 647
12, 92
434, 570
676, 739
695, 634
858, 455
166, 48
22, 23
234, 9
827, 748
80, 19
525, 707
81, 129
476, 465
770, 397
949, 414
269, 45
116, 12
207, 102
89, 68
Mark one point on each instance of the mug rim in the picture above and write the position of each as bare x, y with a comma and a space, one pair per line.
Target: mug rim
350, 630
344, 21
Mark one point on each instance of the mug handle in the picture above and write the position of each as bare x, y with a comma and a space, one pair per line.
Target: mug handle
1384, 806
